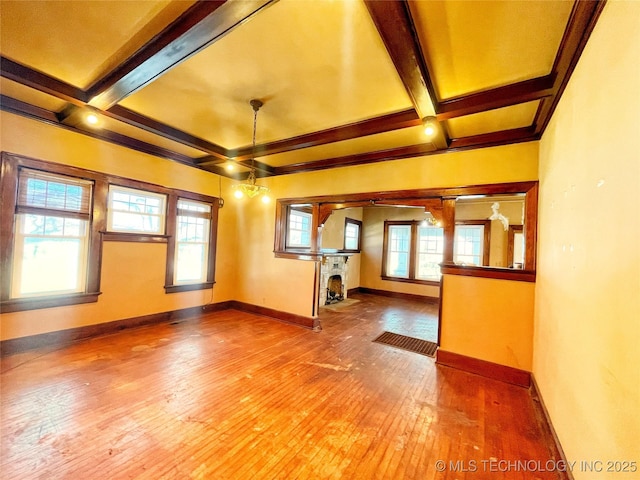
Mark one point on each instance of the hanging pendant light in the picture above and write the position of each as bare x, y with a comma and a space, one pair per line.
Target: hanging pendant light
249, 188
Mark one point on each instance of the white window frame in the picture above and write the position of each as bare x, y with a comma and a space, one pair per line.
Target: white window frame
392, 252
161, 215
460, 255
308, 216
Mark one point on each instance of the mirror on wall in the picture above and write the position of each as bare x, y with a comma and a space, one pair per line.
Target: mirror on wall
489, 231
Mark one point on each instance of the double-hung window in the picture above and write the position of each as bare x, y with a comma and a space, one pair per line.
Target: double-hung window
429, 252
352, 234
412, 251
51, 239
471, 242
192, 242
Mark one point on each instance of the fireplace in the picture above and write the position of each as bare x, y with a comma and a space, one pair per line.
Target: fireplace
335, 290
333, 278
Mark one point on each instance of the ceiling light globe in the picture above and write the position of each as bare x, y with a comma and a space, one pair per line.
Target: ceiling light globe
429, 130
92, 119
238, 194
266, 199
230, 167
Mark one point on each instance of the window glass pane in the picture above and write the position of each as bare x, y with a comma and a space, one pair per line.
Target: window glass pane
299, 232
430, 251
398, 253
55, 192
135, 211
351, 236
192, 242
50, 255
468, 244
190, 259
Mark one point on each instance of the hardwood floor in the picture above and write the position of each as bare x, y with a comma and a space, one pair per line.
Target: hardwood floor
233, 395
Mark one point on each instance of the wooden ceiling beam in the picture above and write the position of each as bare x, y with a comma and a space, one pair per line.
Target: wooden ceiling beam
372, 126
394, 24
397, 31
36, 113
197, 28
130, 117
18, 107
359, 159
42, 82
584, 15
521, 92
502, 137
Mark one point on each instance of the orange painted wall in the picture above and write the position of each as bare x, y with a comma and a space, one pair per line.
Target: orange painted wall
488, 319
587, 312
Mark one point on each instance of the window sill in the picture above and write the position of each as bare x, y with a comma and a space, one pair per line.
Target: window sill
489, 272
35, 303
434, 283
299, 255
134, 237
188, 288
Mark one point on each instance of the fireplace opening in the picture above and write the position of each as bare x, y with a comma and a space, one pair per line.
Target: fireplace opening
335, 290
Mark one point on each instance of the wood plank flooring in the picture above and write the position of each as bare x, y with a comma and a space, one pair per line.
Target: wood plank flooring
233, 395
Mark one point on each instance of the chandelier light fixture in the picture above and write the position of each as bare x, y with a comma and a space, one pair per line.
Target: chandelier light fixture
249, 188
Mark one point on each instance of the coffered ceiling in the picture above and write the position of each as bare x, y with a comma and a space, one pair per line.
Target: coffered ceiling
344, 82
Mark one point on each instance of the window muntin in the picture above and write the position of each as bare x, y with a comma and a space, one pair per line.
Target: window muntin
429, 251
135, 211
469, 245
51, 238
193, 231
299, 229
398, 251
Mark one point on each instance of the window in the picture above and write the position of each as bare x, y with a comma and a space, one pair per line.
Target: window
192, 242
135, 211
352, 234
57, 218
399, 239
299, 228
429, 252
471, 242
412, 251
51, 239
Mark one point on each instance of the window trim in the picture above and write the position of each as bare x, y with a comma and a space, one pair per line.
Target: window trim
439, 200
171, 224
413, 253
358, 223
10, 163
9, 175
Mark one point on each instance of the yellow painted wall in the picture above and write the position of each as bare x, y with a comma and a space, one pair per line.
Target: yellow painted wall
488, 319
132, 276
295, 278
587, 312
247, 270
